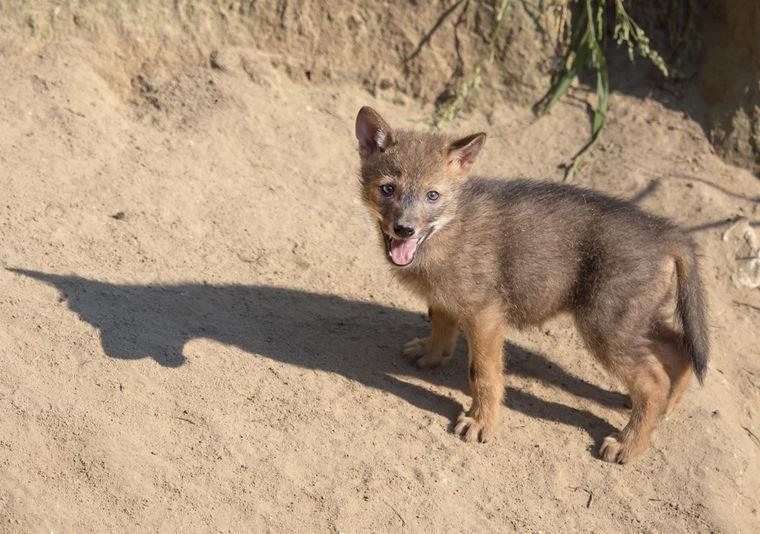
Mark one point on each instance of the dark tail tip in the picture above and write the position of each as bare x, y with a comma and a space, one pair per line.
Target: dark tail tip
692, 311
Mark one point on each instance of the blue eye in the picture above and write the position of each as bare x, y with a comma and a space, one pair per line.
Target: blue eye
432, 196
387, 190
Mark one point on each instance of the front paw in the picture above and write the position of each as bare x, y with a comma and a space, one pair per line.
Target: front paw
616, 450
474, 428
420, 352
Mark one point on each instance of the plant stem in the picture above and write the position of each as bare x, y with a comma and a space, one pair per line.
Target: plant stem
453, 107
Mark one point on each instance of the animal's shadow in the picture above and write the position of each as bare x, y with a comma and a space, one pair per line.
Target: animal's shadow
358, 340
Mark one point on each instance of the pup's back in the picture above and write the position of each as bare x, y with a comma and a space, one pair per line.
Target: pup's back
543, 245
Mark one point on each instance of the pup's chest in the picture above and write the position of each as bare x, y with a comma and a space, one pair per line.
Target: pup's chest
449, 286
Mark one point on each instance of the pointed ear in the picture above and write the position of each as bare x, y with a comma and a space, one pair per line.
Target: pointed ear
462, 153
373, 132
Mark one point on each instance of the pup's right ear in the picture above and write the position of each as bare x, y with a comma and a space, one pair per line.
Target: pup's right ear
373, 132
462, 153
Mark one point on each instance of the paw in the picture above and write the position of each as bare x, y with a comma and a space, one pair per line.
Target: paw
417, 352
617, 452
414, 348
473, 429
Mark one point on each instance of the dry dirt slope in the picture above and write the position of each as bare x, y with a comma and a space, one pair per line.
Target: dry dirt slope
198, 331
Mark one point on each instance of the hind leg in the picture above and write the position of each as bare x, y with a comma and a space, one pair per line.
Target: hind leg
615, 317
667, 346
648, 385
624, 347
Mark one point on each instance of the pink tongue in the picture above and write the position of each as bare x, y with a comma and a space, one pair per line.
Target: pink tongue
402, 250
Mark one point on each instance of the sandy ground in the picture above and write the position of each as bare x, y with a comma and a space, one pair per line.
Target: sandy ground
199, 331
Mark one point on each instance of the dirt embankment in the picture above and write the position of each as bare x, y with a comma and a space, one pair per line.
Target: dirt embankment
394, 49
400, 51
730, 80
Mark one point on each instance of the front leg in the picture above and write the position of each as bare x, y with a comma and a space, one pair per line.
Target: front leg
485, 341
434, 350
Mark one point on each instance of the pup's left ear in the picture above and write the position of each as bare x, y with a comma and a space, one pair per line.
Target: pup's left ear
462, 153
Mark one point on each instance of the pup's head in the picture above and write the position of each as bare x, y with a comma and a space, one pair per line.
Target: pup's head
409, 180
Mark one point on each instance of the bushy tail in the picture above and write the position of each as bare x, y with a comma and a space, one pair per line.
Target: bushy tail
692, 310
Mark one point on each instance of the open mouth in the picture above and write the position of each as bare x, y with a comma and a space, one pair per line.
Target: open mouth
402, 252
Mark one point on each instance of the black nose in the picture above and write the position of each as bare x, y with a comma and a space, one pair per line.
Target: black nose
403, 231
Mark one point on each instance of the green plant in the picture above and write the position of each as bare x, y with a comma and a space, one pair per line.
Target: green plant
588, 29
585, 26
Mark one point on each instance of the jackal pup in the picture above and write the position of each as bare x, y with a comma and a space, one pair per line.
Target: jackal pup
487, 254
